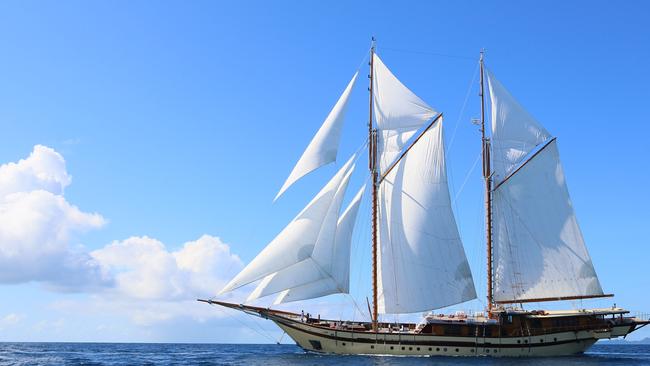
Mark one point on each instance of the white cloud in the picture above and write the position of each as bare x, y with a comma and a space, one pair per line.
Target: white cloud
144, 269
37, 226
10, 320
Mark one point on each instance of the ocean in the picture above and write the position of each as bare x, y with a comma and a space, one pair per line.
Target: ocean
269, 355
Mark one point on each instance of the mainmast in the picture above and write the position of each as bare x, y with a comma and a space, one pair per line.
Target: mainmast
372, 165
487, 176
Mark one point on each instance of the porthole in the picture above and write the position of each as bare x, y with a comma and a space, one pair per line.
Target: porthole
526, 341
417, 349
372, 347
344, 343
541, 341
445, 349
554, 339
472, 350
518, 340
430, 349
437, 349
456, 349
495, 351
487, 351
391, 347
410, 348
403, 348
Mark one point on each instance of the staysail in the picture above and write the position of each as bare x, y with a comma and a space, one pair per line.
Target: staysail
422, 263
331, 273
324, 146
539, 250
399, 113
296, 242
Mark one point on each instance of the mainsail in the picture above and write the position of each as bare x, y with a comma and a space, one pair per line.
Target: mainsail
539, 251
422, 264
296, 243
323, 147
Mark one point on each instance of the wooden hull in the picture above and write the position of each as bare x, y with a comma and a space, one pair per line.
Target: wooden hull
511, 334
320, 340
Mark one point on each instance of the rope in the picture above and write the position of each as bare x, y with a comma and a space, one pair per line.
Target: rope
262, 333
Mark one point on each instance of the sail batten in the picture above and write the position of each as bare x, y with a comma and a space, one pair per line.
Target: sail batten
323, 148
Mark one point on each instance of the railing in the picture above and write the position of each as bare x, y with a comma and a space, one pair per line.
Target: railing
642, 316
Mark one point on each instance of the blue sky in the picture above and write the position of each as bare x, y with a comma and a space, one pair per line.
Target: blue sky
182, 119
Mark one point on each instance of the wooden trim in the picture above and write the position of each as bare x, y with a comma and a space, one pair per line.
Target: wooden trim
524, 164
394, 164
561, 298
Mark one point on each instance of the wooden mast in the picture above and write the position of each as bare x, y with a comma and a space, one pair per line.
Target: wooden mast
372, 165
487, 176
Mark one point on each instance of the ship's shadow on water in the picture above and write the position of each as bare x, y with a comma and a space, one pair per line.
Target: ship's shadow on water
272, 355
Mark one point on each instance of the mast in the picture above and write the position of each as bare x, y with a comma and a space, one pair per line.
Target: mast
487, 176
372, 165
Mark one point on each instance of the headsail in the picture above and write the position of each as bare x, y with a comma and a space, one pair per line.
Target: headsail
398, 111
326, 272
539, 251
297, 240
422, 264
324, 146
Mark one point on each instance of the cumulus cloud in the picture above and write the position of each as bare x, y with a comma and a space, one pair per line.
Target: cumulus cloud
144, 269
139, 277
37, 226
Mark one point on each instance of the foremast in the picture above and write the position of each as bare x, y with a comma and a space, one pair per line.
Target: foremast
372, 165
487, 177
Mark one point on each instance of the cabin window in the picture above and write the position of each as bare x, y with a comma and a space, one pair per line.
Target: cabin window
372, 347
526, 341
541, 341
410, 348
554, 339
456, 349
437, 349
391, 347
430, 349
445, 349
472, 350
487, 351
403, 348
417, 349
518, 340
344, 343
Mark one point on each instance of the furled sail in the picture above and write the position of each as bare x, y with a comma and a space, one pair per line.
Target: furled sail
326, 272
421, 262
539, 251
324, 146
296, 242
398, 111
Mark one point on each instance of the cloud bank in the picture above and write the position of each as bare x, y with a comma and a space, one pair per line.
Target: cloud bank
138, 276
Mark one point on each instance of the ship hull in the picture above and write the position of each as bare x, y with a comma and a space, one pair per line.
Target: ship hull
512, 334
319, 340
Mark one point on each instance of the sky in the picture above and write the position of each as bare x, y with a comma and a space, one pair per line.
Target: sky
142, 144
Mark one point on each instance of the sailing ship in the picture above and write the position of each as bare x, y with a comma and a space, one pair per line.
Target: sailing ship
535, 248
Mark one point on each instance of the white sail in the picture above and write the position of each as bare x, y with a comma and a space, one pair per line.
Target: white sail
421, 262
328, 268
324, 146
297, 240
539, 251
398, 111
515, 133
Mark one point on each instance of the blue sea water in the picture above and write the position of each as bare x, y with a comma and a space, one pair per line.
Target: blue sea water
226, 354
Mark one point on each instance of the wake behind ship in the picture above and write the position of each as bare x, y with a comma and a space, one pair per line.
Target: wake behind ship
535, 248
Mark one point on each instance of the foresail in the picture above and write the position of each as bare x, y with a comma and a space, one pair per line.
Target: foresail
399, 113
421, 262
325, 272
324, 146
515, 133
539, 251
297, 240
